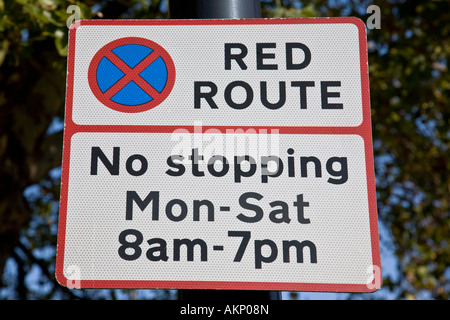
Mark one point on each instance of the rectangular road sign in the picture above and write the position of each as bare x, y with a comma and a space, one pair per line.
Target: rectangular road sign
218, 154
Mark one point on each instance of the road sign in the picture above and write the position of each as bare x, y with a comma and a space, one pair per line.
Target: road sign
131, 74
218, 154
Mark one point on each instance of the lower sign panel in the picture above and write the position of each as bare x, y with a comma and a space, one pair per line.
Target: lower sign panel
218, 211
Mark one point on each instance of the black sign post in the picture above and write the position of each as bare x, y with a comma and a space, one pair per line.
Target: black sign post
223, 9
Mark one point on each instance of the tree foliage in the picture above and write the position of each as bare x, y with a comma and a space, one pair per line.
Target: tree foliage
410, 90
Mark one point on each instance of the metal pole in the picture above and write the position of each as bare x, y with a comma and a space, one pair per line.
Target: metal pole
219, 9
214, 9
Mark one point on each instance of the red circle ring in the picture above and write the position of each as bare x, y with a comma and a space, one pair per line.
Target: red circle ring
106, 51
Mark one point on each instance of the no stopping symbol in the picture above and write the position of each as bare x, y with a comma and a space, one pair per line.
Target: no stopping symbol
131, 74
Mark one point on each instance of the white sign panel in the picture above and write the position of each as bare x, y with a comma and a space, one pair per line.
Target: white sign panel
218, 154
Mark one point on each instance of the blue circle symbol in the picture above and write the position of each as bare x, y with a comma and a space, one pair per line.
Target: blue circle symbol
139, 74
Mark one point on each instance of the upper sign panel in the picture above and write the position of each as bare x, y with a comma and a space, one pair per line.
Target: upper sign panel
255, 72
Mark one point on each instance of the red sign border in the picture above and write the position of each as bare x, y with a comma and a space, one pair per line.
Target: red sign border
364, 130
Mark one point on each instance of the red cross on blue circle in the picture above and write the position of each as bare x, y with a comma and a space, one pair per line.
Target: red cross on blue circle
131, 74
